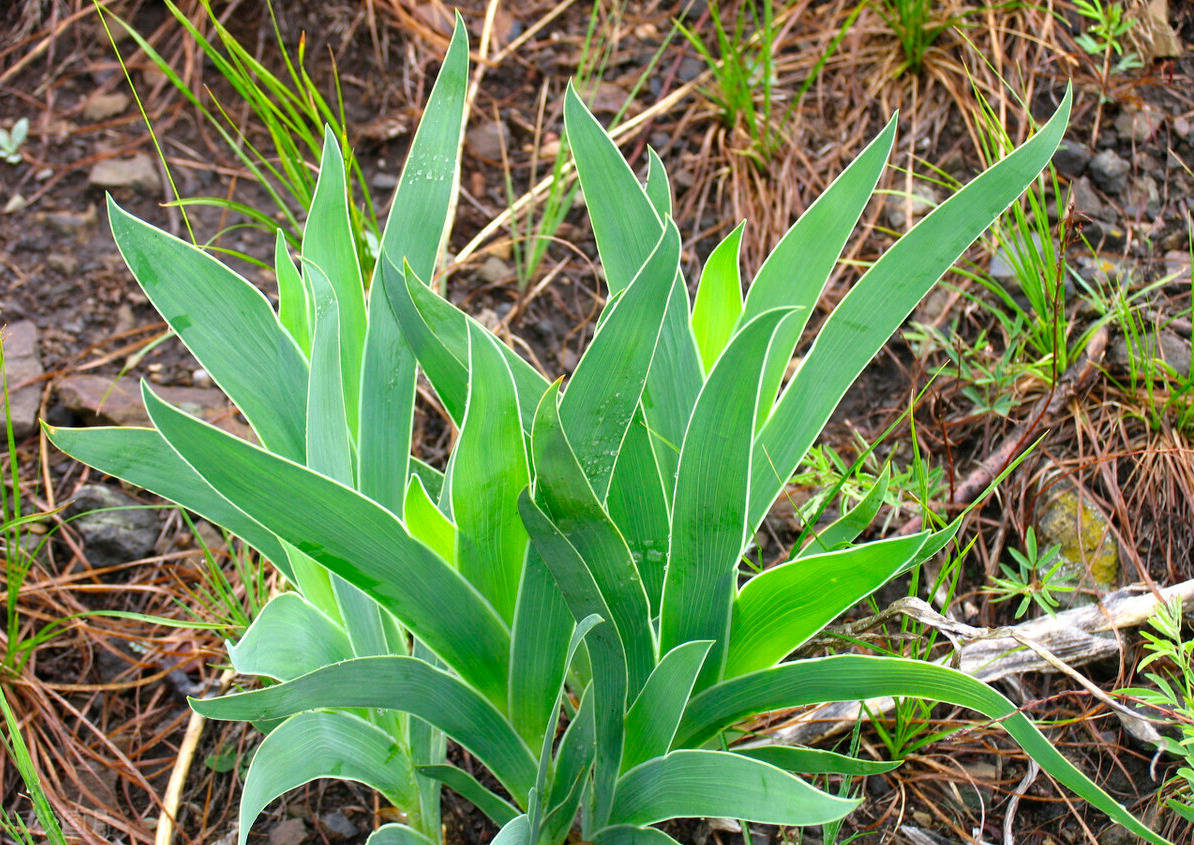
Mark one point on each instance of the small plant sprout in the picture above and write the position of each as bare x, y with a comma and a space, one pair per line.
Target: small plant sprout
1109, 25
11, 141
1037, 576
564, 599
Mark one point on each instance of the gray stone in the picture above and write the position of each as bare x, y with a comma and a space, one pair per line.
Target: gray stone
1109, 172
138, 173
485, 140
1072, 158
1144, 199
383, 181
494, 271
1004, 261
289, 832
101, 400
1139, 124
1163, 346
924, 199
102, 106
23, 371
112, 537
337, 825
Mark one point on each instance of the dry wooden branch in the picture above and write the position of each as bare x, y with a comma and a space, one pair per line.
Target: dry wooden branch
1048, 644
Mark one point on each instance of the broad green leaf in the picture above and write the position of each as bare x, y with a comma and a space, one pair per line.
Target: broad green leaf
289, 638
432, 478
719, 298
659, 191
538, 643
227, 324
628, 834
880, 301
569, 501
142, 458
797, 270
814, 761
638, 506
856, 677
387, 406
497, 809
314, 581
323, 745
354, 537
653, 717
426, 523
701, 784
606, 652
407, 684
781, 608
438, 333
605, 389
397, 834
517, 831
489, 471
626, 228
852, 523
329, 245
625, 225
418, 219
709, 512
572, 762
293, 305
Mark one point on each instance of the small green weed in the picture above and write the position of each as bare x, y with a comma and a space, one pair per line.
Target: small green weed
11, 141
1109, 24
11, 822
1038, 575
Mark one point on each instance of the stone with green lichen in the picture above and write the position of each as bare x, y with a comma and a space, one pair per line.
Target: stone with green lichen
1087, 543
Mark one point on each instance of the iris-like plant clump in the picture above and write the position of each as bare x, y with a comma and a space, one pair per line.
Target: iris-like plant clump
574, 571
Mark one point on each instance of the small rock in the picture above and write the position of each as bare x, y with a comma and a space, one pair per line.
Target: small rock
1087, 543
16, 202
62, 263
1109, 172
924, 199
289, 832
71, 222
1163, 346
1144, 199
1176, 263
98, 400
1072, 158
1006, 258
337, 825
102, 106
568, 359
1183, 128
383, 181
23, 370
486, 140
112, 537
1139, 125
138, 173
201, 378
494, 271
1086, 199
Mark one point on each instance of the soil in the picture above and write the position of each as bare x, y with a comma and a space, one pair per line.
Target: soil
115, 691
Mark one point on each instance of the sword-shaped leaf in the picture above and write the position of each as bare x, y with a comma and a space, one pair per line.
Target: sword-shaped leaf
815, 761
652, 720
293, 302
718, 303
289, 638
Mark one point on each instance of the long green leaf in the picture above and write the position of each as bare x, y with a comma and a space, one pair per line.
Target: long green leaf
324, 745
852, 523
329, 245
718, 304
517, 831
289, 638
780, 609
658, 189
628, 834
489, 471
426, 522
572, 505
655, 714
141, 457
227, 324
397, 834
797, 270
497, 809
605, 389
354, 537
855, 677
709, 513
879, 302
293, 305
407, 684
418, 217
815, 761
694, 783
606, 651
538, 643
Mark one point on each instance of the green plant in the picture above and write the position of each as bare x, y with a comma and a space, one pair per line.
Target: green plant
11, 823
1108, 26
575, 567
1173, 677
293, 113
1037, 576
917, 26
11, 140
